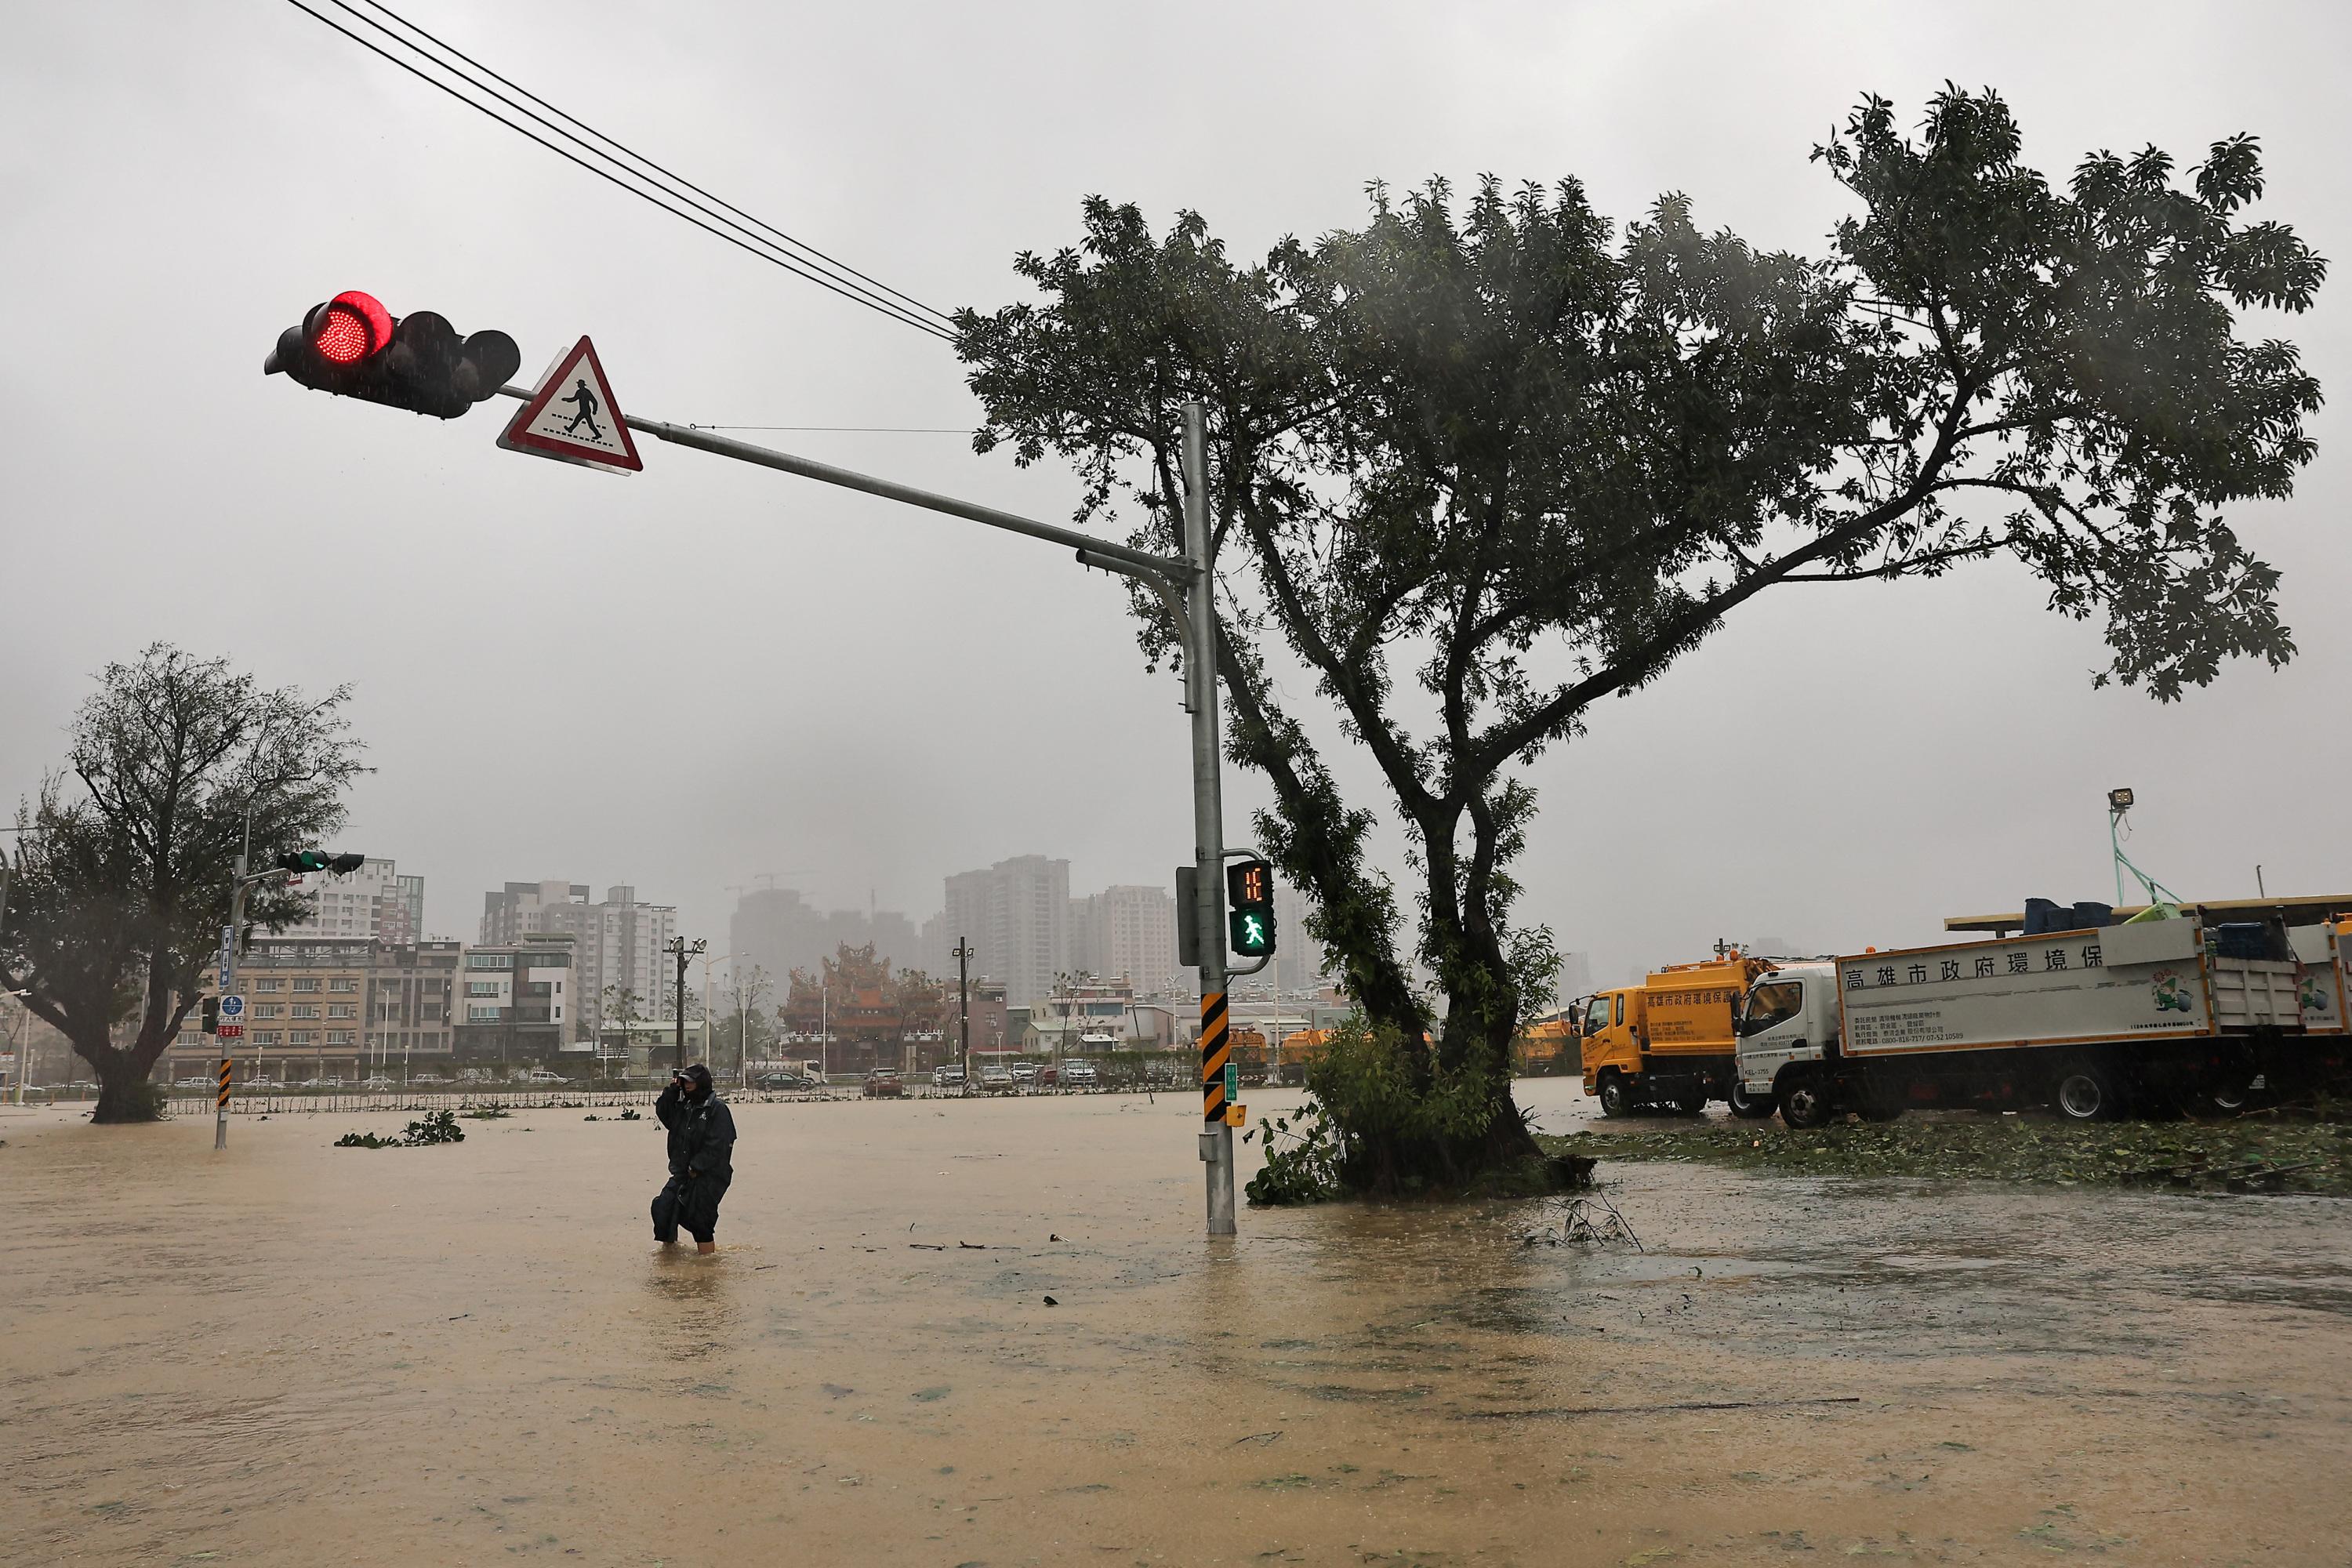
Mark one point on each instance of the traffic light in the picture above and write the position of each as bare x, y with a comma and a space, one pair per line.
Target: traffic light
302, 862
212, 1014
353, 347
1249, 889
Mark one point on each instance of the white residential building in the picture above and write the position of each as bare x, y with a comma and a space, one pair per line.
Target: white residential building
374, 903
1016, 915
1128, 933
616, 944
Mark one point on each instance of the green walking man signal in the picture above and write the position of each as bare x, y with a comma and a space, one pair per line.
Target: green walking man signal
1249, 889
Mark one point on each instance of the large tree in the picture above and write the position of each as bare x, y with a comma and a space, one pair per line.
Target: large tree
1476, 466
123, 879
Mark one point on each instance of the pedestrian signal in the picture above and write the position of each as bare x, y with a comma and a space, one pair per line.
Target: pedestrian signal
1249, 889
212, 1014
302, 862
353, 347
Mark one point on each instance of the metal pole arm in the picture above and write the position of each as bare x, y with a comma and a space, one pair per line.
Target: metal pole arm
1091, 552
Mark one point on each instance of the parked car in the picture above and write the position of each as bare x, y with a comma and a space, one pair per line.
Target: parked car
543, 1075
1024, 1072
1079, 1074
192, 1083
378, 1082
883, 1084
782, 1083
947, 1075
996, 1078
1048, 1076
427, 1077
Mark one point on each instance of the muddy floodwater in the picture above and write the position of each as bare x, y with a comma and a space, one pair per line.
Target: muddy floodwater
292, 1353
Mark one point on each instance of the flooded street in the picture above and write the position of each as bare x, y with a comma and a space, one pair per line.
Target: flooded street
297, 1354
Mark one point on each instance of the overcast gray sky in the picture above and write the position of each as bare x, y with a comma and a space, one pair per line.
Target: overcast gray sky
707, 671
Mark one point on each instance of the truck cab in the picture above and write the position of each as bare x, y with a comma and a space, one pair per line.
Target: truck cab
1669, 1041
1789, 1020
1611, 1040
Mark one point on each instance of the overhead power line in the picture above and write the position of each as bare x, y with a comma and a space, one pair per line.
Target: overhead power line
622, 166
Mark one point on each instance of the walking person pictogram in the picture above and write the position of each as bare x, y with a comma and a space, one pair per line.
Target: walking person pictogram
585, 400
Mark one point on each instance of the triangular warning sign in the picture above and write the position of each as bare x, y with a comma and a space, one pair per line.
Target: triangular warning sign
572, 416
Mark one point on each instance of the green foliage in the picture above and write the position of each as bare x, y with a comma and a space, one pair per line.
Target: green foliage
1482, 463
1302, 1158
436, 1127
1384, 1120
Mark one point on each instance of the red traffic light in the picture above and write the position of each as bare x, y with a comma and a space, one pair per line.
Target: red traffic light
353, 347
349, 328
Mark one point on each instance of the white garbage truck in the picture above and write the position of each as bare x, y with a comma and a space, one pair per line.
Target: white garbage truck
2178, 1012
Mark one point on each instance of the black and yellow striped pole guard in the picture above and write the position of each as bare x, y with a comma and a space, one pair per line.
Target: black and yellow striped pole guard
1216, 1046
222, 1104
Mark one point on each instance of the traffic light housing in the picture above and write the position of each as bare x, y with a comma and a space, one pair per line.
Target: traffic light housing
353, 347
302, 862
1249, 893
212, 1014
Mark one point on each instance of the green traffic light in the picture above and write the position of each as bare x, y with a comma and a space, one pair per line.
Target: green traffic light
1253, 932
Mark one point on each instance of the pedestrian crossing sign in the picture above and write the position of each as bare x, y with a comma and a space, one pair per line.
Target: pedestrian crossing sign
572, 417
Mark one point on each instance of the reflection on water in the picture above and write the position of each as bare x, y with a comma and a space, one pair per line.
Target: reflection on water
698, 1314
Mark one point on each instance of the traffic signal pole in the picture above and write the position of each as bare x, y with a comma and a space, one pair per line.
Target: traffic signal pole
236, 934
1208, 823
1186, 585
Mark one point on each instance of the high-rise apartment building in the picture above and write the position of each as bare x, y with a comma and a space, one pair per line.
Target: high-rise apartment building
616, 944
1128, 933
1016, 915
374, 903
1300, 961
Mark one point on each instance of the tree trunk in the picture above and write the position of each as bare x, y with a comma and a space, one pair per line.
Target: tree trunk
123, 1093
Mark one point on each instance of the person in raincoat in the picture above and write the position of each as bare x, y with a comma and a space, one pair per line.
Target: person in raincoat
701, 1158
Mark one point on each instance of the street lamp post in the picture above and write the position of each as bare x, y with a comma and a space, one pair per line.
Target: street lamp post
963, 956
685, 952
708, 960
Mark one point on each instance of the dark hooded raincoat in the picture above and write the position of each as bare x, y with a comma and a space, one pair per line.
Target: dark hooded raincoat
702, 1163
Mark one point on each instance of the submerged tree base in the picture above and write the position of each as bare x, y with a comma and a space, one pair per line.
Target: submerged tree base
1538, 1176
1386, 1120
134, 1102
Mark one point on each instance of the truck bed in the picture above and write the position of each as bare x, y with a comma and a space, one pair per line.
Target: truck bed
2119, 982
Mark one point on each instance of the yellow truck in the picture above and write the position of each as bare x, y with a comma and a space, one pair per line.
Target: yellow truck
1671, 1041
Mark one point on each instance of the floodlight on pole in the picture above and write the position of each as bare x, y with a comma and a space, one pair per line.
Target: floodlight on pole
2119, 802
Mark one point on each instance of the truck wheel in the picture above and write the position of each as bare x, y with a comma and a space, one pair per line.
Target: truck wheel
1747, 1107
1690, 1105
1616, 1100
1805, 1103
2087, 1091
